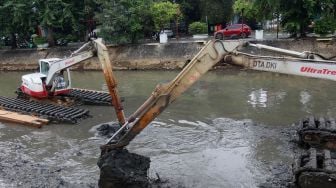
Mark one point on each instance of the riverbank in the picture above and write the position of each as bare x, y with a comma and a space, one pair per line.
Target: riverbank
150, 56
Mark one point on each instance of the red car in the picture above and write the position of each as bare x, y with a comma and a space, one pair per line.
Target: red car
234, 30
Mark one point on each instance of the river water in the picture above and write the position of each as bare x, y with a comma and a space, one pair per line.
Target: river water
228, 130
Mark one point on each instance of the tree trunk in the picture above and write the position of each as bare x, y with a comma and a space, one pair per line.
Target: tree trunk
177, 33
302, 30
278, 23
133, 38
13, 41
50, 37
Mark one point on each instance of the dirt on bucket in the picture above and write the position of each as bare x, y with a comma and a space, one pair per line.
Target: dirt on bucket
120, 168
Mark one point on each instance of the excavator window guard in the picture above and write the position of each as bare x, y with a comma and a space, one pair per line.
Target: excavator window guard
44, 69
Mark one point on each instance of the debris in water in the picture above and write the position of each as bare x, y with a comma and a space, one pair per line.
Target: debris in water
318, 132
106, 129
315, 168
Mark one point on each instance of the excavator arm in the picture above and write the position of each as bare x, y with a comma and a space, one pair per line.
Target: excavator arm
111, 82
68, 62
307, 170
164, 94
296, 63
87, 51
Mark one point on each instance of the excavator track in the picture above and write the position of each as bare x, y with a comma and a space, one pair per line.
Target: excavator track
49, 111
78, 96
90, 97
318, 132
315, 168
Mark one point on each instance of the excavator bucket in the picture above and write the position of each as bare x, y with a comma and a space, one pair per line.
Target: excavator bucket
318, 132
315, 169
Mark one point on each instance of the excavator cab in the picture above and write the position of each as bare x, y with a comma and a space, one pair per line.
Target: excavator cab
61, 82
35, 84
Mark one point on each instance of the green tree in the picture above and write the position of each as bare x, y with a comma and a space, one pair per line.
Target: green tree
84, 12
266, 9
325, 17
246, 7
190, 10
257, 9
123, 21
17, 17
216, 11
164, 12
56, 14
297, 14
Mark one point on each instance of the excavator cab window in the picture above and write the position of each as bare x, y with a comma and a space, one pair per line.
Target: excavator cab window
44, 67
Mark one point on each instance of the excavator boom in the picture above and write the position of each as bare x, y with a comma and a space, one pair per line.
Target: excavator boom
298, 63
66, 63
308, 170
164, 94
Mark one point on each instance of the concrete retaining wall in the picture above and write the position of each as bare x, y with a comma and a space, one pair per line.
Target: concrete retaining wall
143, 56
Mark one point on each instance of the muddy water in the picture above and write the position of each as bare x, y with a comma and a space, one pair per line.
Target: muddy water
229, 130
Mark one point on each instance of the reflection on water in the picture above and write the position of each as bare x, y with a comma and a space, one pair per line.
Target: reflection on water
258, 98
305, 99
263, 99
223, 132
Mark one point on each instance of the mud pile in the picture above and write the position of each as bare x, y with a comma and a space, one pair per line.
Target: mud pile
119, 168
21, 172
106, 130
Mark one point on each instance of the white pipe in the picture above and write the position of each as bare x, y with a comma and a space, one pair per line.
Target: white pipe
280, 50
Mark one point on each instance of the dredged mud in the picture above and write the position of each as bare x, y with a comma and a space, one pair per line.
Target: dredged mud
20, 170
106, 130
120, 168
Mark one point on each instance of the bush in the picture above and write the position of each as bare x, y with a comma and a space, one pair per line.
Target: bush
292, 27
72, 38
324, 26
198, 28
40, 40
